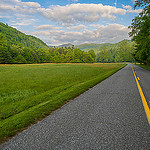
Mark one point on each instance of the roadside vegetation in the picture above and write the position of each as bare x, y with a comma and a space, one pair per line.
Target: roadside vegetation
140, 32
144, 66
118, 52
30, 92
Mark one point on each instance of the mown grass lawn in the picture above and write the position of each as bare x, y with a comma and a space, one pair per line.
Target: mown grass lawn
29, 92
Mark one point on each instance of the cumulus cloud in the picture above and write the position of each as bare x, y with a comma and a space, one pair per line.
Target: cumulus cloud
81, 13
96, 25
78, 27
130, 10
66, 15
23, 22
46, 27
101, 34
6, 7
30, 4
11, 1
74, 19
16, 6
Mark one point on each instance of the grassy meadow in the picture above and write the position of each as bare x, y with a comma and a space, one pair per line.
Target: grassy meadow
29, 92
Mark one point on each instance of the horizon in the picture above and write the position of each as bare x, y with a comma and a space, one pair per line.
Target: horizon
89, 43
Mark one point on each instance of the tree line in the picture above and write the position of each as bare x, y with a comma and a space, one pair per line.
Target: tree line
10, 54
19, 54
121, 53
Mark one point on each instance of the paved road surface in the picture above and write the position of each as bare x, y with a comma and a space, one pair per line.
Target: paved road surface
109, 116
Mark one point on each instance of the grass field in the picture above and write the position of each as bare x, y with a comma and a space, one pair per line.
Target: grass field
30, 92
144, 66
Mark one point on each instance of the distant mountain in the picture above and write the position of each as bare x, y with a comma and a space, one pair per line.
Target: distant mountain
14, 37
65, 45
98, 47
50, 46
91, 45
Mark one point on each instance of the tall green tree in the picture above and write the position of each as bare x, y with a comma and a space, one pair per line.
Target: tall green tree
5, 56
140, 31
103, 55
92, 53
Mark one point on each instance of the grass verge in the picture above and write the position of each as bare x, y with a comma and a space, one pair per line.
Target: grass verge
27, 111
144, 66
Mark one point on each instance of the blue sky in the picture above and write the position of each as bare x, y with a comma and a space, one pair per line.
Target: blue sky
70, 21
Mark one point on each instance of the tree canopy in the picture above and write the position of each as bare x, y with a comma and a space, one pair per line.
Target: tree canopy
122, 52
140, 31
141, 3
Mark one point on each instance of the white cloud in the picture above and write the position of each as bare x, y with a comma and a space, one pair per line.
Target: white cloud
101, 34
74, 18
16, 6
81, 13
46, 27
130, 10
78, 27
10, 1
30, 4
67, 15
6, 7
96, 25
23, 15
23, 22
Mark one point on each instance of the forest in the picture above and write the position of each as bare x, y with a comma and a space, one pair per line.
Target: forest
119, 52
10, 54
16, 47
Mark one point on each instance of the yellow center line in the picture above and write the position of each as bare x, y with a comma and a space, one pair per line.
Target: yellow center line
147, 110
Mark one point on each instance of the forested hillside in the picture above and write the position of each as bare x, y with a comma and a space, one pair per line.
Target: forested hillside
16, 47
119, 52
15, 37
95, 46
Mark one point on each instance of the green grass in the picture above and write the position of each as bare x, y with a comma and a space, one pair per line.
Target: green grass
30, 92
144, 66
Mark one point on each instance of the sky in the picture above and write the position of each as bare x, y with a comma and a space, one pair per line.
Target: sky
77, 22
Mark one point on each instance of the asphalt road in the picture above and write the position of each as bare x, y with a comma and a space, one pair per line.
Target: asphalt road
109, 116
